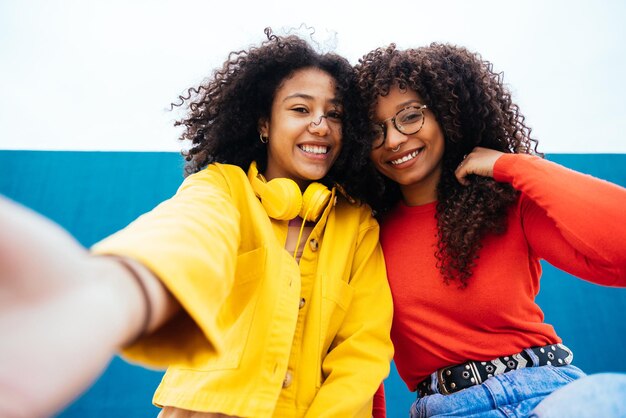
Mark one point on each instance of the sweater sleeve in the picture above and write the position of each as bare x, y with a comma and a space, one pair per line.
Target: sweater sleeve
572, 220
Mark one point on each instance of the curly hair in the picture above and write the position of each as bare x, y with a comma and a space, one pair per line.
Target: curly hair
224, 111
473, 108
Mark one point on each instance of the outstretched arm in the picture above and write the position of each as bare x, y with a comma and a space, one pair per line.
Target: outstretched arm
573, 220
63, 313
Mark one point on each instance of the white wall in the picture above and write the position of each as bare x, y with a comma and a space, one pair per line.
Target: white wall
99, 75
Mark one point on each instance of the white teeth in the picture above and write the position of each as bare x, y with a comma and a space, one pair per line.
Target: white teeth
405, 158
314, 149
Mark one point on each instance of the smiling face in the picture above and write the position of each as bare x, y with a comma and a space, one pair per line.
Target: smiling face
413, 161
304, 129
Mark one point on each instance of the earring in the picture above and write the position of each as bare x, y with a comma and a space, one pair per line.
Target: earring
264, 139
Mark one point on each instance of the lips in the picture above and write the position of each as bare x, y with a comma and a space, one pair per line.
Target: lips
407, 157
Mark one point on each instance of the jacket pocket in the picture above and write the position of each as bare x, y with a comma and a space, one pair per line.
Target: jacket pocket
337, 291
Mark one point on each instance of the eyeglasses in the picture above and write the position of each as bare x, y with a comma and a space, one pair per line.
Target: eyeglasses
407, 121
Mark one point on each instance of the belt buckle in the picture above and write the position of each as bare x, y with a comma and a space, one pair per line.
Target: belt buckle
472, 378
441, 381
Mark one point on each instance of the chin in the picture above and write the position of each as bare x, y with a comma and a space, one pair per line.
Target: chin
314, 175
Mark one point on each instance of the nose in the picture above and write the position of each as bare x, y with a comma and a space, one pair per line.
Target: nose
394, 138
319, 125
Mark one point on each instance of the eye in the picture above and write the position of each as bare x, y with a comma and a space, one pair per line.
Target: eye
335, 115
300, 109
409, 116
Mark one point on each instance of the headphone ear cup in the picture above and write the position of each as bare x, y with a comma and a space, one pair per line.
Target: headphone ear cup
314, 201
282, 199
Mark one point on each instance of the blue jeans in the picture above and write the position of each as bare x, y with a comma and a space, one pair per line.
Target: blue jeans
597, 395
512, 394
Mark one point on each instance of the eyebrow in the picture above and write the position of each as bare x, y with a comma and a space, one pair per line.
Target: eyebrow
401, 106
308, 97
408, 103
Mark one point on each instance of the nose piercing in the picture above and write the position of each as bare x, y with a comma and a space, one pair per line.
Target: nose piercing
313, 123
396, 149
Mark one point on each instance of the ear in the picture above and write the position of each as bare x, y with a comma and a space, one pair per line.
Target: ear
264, 127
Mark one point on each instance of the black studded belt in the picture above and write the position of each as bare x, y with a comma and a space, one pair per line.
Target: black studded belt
455, 378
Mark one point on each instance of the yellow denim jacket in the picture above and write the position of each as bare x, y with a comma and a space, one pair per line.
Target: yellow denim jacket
260, 335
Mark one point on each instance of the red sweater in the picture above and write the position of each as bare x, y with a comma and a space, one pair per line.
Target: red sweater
572, 220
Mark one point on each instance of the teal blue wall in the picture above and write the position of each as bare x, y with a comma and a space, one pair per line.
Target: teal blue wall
93, 194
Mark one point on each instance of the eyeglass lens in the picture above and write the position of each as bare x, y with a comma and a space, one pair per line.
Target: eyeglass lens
407, 121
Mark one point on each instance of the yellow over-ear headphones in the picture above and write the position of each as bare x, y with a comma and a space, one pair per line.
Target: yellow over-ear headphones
282, 199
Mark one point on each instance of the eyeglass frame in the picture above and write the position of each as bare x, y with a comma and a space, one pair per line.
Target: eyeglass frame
383, 124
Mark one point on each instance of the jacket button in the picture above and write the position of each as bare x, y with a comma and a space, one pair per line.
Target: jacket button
314, 244
287, 380
302, 303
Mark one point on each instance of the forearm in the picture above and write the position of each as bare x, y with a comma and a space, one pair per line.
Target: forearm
63, 313
345, 395
56, 348
354, 371
587, 211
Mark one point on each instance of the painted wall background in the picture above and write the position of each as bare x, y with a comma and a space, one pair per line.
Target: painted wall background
93, 194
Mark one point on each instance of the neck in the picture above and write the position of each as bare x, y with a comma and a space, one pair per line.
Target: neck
420, 193
415, 199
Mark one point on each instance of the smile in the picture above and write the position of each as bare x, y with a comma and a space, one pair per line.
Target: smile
406, 158
314, 149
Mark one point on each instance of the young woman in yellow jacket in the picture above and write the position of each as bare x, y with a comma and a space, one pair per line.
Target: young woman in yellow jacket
260, 284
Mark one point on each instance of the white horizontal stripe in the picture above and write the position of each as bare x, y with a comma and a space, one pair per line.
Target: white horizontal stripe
99, 75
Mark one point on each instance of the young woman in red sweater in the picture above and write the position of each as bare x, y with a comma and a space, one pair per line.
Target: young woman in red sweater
469, 208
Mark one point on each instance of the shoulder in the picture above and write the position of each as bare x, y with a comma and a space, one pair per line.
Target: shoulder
216, 175
349, 210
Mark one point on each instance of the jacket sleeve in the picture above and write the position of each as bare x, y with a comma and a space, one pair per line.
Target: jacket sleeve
572, 220
190, 243
359, 357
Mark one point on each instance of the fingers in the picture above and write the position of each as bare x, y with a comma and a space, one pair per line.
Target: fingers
479, 162
462, 172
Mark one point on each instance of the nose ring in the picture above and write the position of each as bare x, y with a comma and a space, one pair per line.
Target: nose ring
396, 149
313, 123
